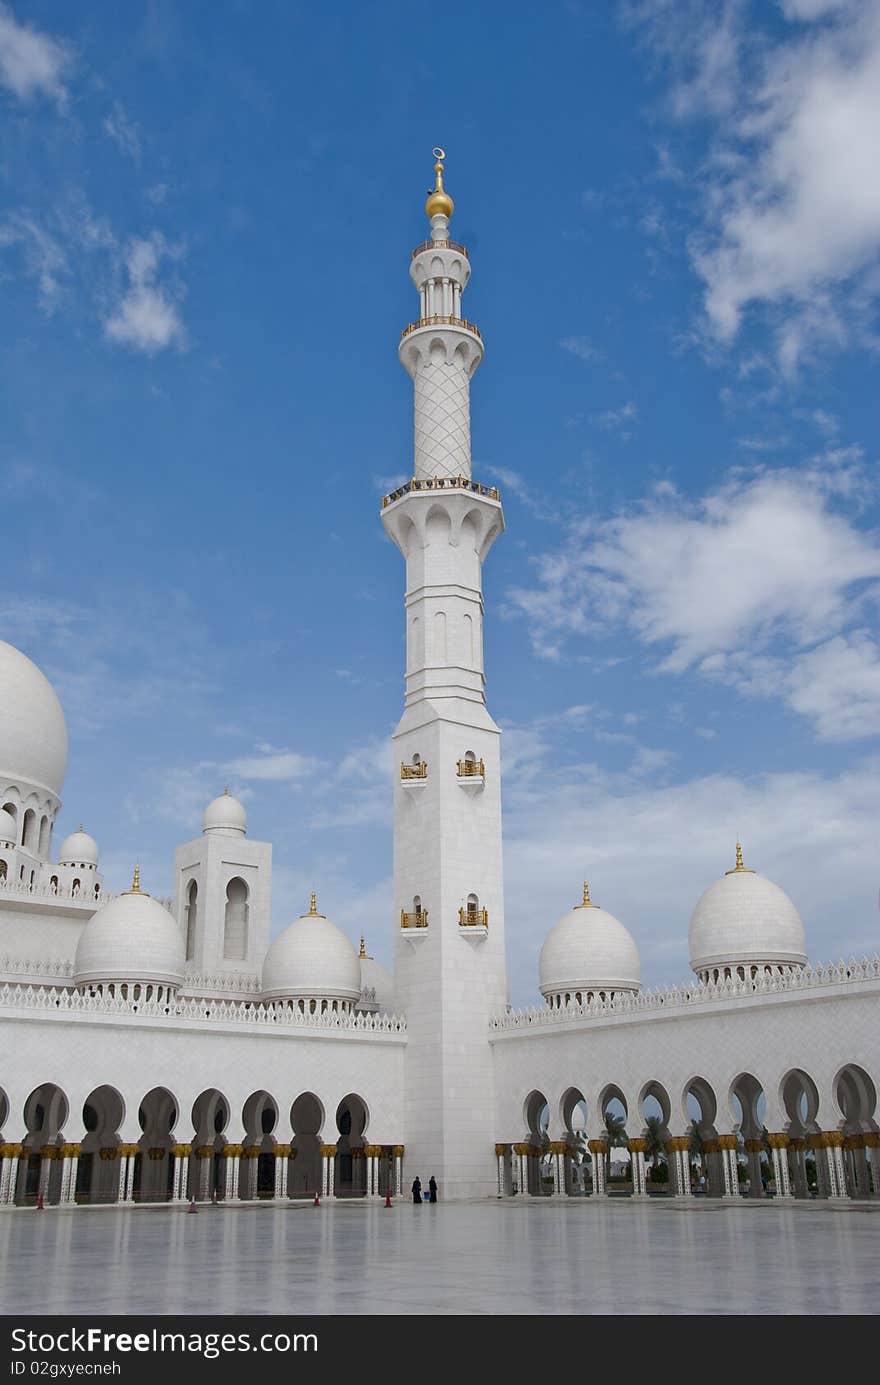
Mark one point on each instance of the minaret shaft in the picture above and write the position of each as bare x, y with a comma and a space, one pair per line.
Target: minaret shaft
449, 965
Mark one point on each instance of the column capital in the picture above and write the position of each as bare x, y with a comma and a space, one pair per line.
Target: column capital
50, 1152
109, 1154
501, 1149
398, 1151
251, 1152
13, 1151
727, 1142
872, 1139
753, 1146
373, 1151
637, 1146
558, 1147
796, 1142
328, 1151
282, 1151
71, 1151
129, 1152
233, 1151
597, 1146
834, 1139
204, 1151
677, 1143
778, 1139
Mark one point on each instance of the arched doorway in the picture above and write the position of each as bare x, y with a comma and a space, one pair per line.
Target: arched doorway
350, 1174
210, 1117
154, 1165
39, 1171
748, 1103
306, 1122
260, 1117
538, 1163
701, 1106
97, 1170
573, 1113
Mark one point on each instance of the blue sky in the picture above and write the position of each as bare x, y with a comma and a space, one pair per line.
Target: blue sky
674, 223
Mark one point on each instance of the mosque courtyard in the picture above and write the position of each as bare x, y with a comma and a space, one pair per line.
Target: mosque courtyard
508, 1257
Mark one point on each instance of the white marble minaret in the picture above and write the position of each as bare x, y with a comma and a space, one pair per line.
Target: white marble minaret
449, 967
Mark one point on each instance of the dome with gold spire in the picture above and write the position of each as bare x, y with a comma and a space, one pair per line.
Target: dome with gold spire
131, 939
312, 963
588, 953
745, 925
439, 202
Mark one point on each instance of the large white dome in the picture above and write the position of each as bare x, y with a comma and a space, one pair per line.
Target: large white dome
588, 950
744, 919
225, 815
79, 849
133, 938
312, 958
33, 732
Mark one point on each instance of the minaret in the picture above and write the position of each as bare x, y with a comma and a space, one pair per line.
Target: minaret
449, 968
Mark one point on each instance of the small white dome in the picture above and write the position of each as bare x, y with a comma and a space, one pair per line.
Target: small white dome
312, 958
33, 732
225, 814
78, 849
132, 938
589, 950
745, 919
7, 826
377, 987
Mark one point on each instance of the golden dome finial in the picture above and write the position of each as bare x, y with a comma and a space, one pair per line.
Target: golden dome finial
739, 868
586, 903
313, 902
135, 880
363, 951
439, 202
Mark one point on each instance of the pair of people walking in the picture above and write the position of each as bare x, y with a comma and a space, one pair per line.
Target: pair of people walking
417, 1190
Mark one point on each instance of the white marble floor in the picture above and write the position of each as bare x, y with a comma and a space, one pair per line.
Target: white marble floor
481, 1257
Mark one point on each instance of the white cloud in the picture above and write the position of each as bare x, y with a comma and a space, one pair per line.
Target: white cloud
44, 258
583, 348
271, 764
146, 318
31, 62
617, 420
124, 132
757, 585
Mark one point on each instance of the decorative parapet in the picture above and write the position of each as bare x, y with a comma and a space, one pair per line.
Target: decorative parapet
441, 320
471, 769
473, 918
419, 771
418, 919
685, 996
37, 966
56, 1000
439, 483
439, 245
19, 889
217, 985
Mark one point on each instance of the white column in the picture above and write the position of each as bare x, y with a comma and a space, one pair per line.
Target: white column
10, 1162
398, 1174
280, 1180
45, 1174
371, 1166
331, 1173
231, 1177
180, 1163
123, 1175
129, 1182
500, 1159
729, 1167
558, 1188
597, 1150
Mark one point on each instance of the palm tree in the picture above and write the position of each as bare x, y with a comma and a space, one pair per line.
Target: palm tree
615, 1131
654, 1150
697, 1147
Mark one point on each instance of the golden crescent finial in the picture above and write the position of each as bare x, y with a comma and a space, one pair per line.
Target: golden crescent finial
363, 951
439, 202
586, 903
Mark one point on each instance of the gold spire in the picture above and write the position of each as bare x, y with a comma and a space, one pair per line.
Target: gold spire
225, 790
135, 882
587, 903
439, 202
313, 903
739, 868
363, 951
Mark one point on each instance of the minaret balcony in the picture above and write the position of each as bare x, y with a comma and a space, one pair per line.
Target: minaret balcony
441, 320
419, 919
440, 245
471, 774
414, 776
438, 483
473, 918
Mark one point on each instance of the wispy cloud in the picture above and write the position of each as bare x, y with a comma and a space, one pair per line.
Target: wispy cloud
617, 420
32, 63
583, 348
147, 317
123, 131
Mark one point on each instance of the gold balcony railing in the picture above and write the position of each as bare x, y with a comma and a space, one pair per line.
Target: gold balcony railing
414, 771
440, 320
439, 483
471, 769
473, 918
440, 245
417, 920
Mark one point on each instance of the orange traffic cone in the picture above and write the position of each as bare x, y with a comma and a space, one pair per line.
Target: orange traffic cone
387, 1199
40, 1203
317, 1201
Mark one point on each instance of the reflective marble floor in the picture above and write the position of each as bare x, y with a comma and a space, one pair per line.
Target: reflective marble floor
480, 1257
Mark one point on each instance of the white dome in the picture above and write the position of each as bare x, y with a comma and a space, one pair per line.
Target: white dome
33, 732
744, 918
7, 826
312, 958
589, 950
133, 938
78, 849
226, 815
377, 987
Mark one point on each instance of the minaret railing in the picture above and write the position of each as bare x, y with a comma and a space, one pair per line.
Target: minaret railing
441, 320
419, 919
419, 771
471, 769
473, 918
438, 483
440, 245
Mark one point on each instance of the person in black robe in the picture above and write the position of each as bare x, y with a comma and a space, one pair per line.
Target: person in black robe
417, 1190
432, 1189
